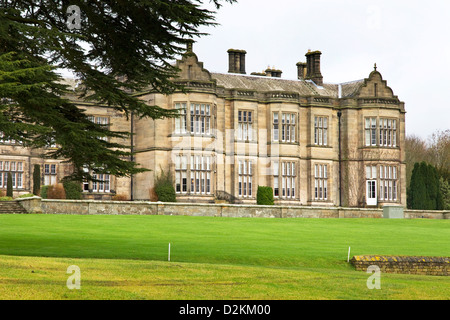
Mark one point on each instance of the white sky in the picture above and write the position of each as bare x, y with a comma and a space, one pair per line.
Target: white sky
408, 40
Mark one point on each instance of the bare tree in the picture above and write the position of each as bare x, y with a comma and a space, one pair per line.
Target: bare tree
416, 150
439, 151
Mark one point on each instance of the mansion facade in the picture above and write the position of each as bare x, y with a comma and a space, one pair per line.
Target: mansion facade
314, 143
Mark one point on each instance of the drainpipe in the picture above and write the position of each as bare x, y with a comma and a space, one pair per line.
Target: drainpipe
339, 114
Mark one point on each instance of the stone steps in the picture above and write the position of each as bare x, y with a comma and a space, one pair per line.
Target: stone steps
11, 207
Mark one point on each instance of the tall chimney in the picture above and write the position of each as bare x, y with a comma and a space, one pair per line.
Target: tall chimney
236, 61
313, 67
301, 70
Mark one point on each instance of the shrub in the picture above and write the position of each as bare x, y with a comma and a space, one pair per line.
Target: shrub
56, 191
44, 190
164, 188
37, 179
264, 196
72, 190
6, 198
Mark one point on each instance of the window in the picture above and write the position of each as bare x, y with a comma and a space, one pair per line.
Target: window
16, 169
321, 131
284, 173
321, 182
104, 121
49, 174
6, 141
245, 125
180, 122
101, 182
85, 183
288, 127
387, 132
371, 131
388, 183
200, 174
200, 118
181, 174
275, 127
198, 170
276, 187
288, 180
371, 185
245, 178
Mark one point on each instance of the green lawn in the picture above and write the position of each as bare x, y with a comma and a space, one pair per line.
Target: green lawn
251, 258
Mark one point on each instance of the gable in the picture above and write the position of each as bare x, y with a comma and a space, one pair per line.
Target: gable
192, 69
375, 86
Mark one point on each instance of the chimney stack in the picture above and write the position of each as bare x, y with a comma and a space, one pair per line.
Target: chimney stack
301, 70
275, 73
236, 61
313, 67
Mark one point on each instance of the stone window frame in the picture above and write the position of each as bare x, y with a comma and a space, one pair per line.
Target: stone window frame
387, 132
198, 174
321, 128
246, 121
245, 175
103, 120
16, 167
321, 178
289, 128
103, 185
50, 172
381, 132
389, 183
194, 121
288, 174
284, 173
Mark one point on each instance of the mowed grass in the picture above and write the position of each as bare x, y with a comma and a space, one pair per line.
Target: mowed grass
125, 257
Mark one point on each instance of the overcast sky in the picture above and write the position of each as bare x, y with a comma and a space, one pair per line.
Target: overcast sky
408, 40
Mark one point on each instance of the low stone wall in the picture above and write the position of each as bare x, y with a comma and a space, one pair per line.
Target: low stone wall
435, 266
38, 205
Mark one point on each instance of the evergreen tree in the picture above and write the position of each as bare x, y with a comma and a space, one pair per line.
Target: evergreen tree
120, 49
445, 191
9, 186
37, 180
424, 189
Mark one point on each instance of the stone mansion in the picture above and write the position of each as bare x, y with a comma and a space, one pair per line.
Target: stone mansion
314, 143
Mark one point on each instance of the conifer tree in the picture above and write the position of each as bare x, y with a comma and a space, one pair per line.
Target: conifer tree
37, 180
424, 189
9, 186
121, 48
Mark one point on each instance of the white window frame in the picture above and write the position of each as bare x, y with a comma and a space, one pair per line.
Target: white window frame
245, 125
17, 173
321, 182
245, 178
388, 183
288, 127
321, 130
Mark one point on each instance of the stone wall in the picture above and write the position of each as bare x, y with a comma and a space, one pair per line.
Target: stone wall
36, 205
436, 266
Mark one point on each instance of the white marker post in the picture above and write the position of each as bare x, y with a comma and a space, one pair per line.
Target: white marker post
348, 256
169, 252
